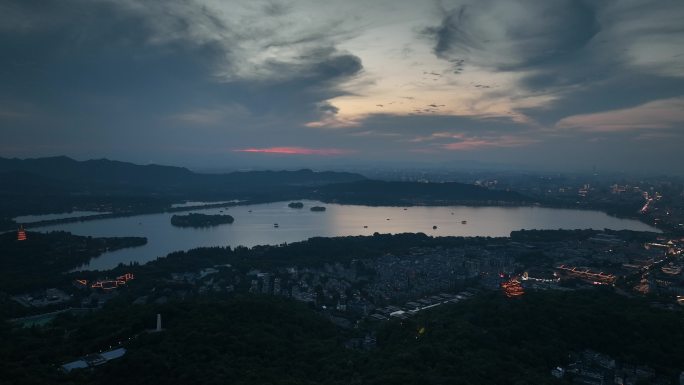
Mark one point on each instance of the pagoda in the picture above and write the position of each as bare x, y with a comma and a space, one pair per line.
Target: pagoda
21, 234
512, 288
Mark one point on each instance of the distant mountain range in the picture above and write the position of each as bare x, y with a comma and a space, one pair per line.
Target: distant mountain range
103, 176
55, 184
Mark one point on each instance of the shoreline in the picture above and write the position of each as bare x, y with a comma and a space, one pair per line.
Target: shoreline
663, 229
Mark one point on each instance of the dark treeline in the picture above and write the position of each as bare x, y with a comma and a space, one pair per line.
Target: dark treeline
313, 252
578, 235
42, 260
374, 192
200, 220
494, 340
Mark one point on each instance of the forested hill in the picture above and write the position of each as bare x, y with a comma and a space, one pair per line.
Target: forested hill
114, 177
413, 193
489, 339
61, 184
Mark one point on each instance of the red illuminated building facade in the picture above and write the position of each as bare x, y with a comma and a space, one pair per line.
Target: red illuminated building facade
105, 284
512, 288
21, 234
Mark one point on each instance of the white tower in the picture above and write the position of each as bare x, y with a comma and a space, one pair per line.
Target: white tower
158, 323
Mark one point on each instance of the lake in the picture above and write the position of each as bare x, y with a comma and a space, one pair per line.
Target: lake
254, 226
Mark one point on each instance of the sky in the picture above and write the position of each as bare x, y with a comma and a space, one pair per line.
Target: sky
554, 85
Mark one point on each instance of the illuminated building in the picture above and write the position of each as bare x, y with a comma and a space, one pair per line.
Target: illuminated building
541, 276
21, 234
599, 278
109, 284
512, 288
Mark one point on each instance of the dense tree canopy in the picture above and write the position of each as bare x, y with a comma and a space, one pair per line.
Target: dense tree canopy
255, 340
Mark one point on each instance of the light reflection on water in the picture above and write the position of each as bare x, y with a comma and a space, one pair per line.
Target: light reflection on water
256, 227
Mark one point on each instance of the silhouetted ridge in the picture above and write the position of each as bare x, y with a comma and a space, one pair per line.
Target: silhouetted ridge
115, 177
381, 192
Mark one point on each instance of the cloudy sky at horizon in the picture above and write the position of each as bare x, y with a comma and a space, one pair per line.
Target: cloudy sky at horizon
218, 84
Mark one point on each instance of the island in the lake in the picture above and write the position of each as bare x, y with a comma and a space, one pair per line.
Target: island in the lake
200, 220
318, 208
295, 205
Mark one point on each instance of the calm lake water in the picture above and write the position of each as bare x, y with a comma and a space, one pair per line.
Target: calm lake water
256, 227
